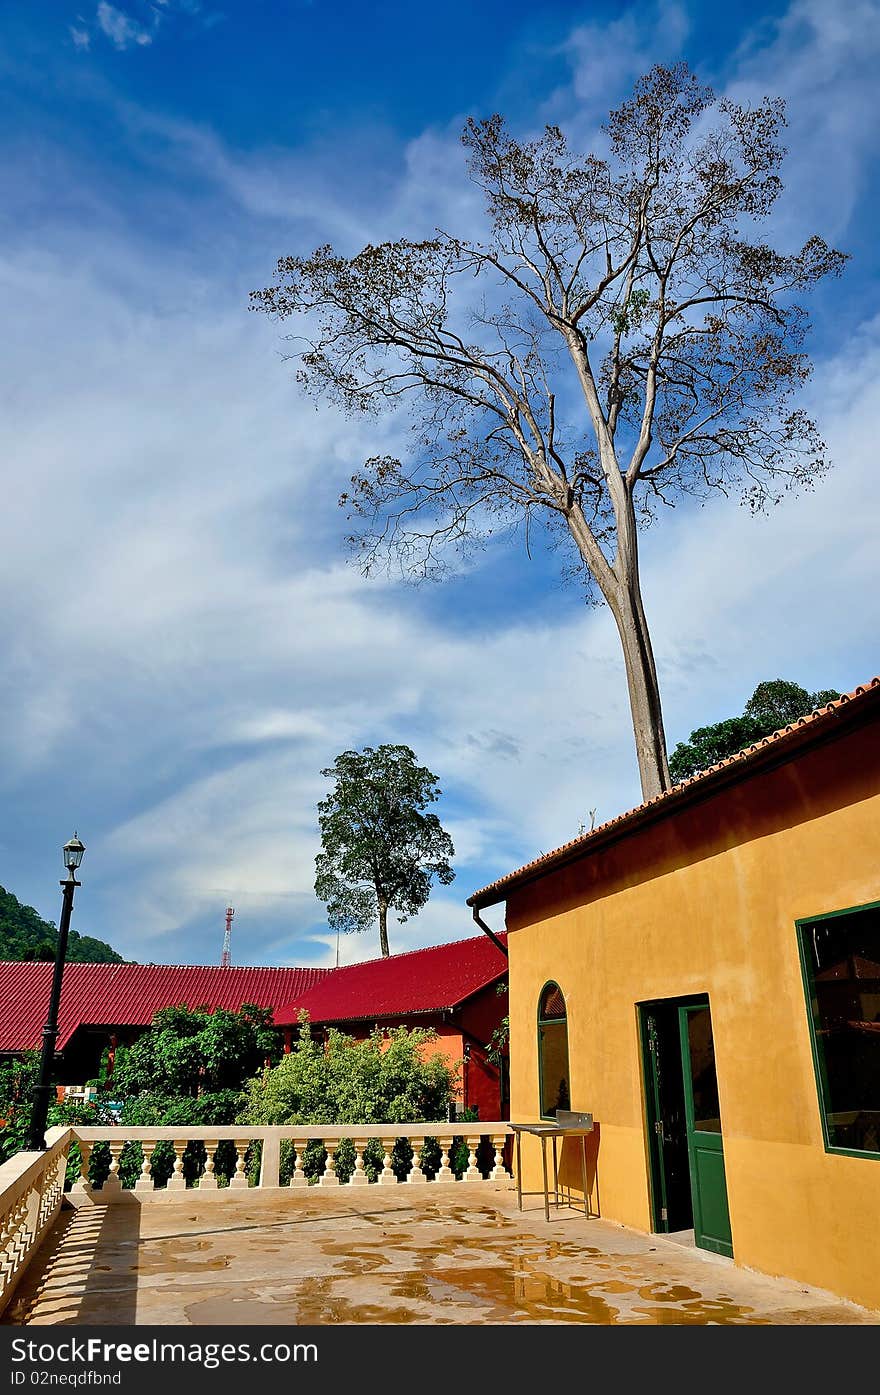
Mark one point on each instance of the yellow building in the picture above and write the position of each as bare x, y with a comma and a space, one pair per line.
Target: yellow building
703, 975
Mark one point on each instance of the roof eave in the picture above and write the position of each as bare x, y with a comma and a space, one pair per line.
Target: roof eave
828, 727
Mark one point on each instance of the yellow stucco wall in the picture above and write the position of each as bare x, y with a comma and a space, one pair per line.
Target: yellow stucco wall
705, 902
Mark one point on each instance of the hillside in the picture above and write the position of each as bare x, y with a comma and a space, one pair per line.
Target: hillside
26, 935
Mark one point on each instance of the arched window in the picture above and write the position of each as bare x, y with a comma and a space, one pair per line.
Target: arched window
553, 1051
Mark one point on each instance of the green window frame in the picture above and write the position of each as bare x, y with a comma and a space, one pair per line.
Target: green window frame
822, 1025
554, 1079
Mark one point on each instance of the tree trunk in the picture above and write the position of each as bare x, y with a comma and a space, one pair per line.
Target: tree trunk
625, 601
620, 586
644, 693
383, 928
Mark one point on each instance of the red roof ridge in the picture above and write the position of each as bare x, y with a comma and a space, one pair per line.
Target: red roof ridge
152, 964
738, 758
407, 953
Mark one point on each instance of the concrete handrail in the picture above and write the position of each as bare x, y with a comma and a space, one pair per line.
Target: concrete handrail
31, 1191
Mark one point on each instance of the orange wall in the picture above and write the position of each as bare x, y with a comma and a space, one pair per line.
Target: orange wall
705, 902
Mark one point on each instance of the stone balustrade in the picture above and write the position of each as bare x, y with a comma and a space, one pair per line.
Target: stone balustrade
32, 1185
484, 1143
31, 1190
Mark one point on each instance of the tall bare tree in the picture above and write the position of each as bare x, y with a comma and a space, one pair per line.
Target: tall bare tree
619, 339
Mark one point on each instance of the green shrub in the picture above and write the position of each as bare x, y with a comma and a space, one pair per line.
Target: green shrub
380, 1080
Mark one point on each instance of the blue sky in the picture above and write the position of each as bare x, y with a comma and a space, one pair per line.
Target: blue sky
184, 644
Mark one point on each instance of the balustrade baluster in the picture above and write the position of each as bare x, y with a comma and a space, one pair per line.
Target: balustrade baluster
82, 1183
499, 1172
298, 1177
445, 1173
415, 1173
239, 1179
359, 1177
145, 1182
177, 1181
112, 1182
7, 1231
207, 1179
388, 1177
473, 1173
328, 1177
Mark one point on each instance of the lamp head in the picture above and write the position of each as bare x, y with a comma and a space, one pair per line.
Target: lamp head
73, 853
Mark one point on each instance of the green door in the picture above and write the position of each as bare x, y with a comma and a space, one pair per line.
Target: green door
704, 1140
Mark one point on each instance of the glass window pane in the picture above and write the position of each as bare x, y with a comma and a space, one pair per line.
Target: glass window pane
552, 1003
842, 956
707, 1111
553, 1045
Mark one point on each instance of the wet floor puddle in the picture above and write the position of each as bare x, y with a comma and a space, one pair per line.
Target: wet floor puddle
518, 1287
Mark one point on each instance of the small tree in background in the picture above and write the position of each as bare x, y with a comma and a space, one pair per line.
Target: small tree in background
379, 849
773, 704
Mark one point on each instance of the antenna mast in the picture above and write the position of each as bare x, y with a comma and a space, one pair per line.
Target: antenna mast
226, 956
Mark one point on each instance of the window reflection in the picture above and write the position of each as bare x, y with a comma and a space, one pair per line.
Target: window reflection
553, 1052
842, 958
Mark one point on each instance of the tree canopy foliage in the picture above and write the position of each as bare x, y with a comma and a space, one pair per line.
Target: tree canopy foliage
619, 337
24, 934
773, 704
384, 1079
379, 849
191, 1052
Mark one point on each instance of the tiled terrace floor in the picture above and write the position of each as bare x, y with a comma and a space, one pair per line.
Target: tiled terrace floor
448, 1256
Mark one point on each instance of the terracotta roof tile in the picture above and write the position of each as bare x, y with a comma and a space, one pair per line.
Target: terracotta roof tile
419, 981
741, 760
128, 995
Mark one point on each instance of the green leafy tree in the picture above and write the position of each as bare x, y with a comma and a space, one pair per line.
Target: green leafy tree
773, 704
25, 935
379, 849
380, 1080
619, 335
193, 1052
190, 1068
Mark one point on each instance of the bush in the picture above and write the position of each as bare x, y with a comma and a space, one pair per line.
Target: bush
381, 1080
17, 1080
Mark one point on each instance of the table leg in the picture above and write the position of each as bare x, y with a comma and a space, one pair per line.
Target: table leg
555, 1176
546, 1189
584, 1172
519, 1170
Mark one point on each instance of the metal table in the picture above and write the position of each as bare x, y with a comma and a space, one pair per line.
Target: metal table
569, 1124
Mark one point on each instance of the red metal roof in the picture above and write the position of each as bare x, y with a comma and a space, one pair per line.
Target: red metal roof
128, 995
420, 981
779, 746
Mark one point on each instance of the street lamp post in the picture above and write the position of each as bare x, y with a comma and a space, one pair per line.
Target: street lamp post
73, 854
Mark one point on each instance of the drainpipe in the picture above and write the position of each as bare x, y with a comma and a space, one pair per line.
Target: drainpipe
486, 931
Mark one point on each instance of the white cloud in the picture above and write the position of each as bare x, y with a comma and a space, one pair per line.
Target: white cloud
120, 28
80, 37
185, 649
823, 59
606, 58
